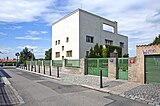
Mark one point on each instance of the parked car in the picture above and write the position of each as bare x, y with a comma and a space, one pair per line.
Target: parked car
1, 64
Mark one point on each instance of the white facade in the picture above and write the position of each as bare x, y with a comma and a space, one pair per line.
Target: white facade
76, 26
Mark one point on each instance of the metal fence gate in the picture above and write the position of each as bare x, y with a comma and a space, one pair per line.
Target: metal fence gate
123, 68
94, 65
152, 69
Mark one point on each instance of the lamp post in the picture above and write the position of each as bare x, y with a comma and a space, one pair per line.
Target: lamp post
17, 54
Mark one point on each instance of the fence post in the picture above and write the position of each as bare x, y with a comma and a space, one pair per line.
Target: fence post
57, 71
39, 69
101, 83
50, 67
35, 64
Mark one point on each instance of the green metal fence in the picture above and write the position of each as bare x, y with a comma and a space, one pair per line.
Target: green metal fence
39, 62
47, 62
34, 62
28, 63
56, 63
94, 65
123, 68
72, 63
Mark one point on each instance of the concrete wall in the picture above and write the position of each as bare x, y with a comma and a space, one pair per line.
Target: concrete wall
68, 27
92, 25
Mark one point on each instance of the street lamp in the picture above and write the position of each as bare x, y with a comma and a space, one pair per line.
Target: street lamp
17, 54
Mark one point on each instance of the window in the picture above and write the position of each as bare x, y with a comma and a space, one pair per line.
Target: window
57, 54
55, 42
89, 39
62, 48
108, 28
108, 42
87, 53
67, 39
58, 41
69, 53
121, 44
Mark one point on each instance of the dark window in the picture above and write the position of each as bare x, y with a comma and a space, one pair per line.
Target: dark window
89, 39
121, 44
62, 48
87, 53
58, 41
57, 54
55, 42
108, 42
67, 39
69, 53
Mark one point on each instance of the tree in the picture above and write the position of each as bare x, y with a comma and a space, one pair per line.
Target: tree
48, 54
104, 52
156, 40
25, 55
101, 52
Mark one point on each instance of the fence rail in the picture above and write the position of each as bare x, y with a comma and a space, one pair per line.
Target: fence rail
72, 63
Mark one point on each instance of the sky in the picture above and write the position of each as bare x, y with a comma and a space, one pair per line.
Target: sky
27, 23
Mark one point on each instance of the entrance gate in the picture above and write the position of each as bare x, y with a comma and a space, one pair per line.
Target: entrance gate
123, 68
94, 65
152, 69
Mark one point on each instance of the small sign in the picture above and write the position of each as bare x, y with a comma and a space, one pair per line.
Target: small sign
131, 61
111, 60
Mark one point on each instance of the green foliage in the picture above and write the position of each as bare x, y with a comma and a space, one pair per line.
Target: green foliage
126, 55
111, 48
10, 64
48, 54
100, 52
104, 52
156, 40
26, 55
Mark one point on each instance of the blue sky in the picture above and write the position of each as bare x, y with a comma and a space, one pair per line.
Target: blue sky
27, 23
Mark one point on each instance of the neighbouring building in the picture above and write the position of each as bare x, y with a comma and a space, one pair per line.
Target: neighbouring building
76, 33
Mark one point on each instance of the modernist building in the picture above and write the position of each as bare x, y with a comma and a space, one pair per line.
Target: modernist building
76, 33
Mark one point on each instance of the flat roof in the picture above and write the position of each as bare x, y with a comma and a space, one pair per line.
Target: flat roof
82, 11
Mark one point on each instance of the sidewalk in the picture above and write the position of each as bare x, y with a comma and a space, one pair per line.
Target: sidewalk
149, 94
8, 95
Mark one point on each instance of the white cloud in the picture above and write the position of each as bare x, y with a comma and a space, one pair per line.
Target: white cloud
31, 32
22, 10
28, 46
28, 38
2, 33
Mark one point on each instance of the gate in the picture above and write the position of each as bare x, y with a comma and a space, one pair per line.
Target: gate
94, 65
152, 69
123, 68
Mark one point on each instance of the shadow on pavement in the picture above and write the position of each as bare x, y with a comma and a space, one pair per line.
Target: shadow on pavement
5, 74
4, 99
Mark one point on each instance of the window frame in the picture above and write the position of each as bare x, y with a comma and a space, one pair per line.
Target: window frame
70, 53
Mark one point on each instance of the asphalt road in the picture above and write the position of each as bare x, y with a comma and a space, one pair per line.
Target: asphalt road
41, 91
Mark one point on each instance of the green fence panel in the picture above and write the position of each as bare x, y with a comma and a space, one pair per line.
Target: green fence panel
72, 63
94, 66
123, 68
47, 62
28, 63
39, 62
56, 63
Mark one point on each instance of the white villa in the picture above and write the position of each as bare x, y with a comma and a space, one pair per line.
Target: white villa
76, 33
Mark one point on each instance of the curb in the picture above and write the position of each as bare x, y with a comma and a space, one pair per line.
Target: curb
44, 75
4, 79
94, 88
